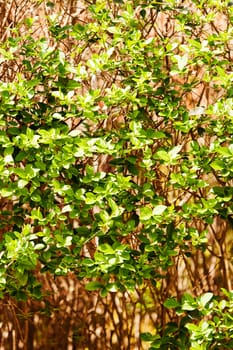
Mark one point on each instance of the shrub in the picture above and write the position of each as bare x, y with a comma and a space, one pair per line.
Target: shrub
116, 154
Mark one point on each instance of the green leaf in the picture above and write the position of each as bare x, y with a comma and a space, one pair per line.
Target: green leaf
39, 246
218, 164
173, 153
163, 155
145, 213
147, 336
93, 285
192, 327
22, 183
182, 61
205, 299
106, 248
159, 209
171, 303
90, 198
188, 303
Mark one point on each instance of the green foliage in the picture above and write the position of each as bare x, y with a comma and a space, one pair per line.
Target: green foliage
110, 167
205, 323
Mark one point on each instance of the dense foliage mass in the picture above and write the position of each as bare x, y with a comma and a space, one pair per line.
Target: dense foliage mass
116, 159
